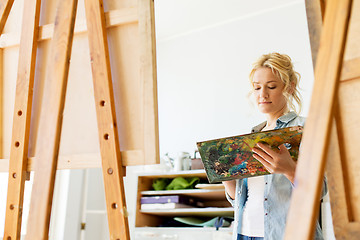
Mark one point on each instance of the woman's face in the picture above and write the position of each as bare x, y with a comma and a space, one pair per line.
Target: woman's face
268, 91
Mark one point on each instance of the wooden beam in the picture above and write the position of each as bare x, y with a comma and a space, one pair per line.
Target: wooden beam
5, 7
51, 121
322, 8
21, 119
311, 163
314, 20
2, 104
113, 18
148, 77
345, 224
350, 69
106, 119
78, 161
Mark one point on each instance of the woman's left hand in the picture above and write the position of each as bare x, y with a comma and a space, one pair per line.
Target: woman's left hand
275, 161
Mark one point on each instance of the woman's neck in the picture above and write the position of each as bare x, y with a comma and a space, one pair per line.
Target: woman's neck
272, 118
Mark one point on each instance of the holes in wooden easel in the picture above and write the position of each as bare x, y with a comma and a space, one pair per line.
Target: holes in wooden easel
17, 144
19, 113
102, 103
114, 206
11, 206
106, 136
14, 175
8, 238
110, 171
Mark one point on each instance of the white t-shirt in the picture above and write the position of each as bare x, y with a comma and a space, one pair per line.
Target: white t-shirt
253, 215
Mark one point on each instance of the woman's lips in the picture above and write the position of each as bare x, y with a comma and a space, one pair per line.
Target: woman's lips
264, 102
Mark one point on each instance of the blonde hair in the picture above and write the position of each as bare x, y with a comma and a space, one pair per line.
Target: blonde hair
281, 66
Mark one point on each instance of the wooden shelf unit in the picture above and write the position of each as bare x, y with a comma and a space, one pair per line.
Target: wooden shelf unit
214, 199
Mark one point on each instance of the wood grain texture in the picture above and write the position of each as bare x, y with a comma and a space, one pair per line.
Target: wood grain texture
106, 119
2, 106
5, 7
345, 225
314, 20
350, 69
148, 77
311, 164
348, 109
113, 18
51, 121
352, 49
21, 119
81, 161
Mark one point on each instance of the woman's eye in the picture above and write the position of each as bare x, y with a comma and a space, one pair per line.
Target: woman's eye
257, 88
272, 87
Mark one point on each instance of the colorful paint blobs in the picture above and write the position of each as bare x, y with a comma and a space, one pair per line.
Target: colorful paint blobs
231, 158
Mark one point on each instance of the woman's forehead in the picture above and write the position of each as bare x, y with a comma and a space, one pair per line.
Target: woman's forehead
265, 75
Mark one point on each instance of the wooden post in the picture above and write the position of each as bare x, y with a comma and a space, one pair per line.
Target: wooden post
148, 77
21, 119
311, 164
314, 19
1, 103
106, 119
51, 121
5, 7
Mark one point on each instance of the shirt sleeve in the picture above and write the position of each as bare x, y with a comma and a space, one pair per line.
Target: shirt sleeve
231, 201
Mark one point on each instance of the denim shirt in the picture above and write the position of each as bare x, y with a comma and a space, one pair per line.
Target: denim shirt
277, 193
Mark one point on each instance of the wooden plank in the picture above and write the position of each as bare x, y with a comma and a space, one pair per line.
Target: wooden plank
338, 182
51, 121
348, 108
21, 119
352, 49
5, 7
200, 212
79, 161
314, 19
113, 18
322, 8
106, 119
311, 164
2, 105
148, 77
350, 69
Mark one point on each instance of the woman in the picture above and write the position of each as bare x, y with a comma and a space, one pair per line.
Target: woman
261, 203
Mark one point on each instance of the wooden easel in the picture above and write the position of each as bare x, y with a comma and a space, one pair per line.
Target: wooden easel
46, 162
332, 126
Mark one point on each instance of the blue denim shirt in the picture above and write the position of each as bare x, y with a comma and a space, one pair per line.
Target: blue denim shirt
277, 193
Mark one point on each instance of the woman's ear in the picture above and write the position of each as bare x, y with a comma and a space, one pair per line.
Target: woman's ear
291, 88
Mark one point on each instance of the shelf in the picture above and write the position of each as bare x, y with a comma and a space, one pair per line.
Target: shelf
213, 194
204, 212
213, 197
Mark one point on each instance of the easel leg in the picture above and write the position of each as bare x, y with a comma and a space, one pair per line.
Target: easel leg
5, 8
106, 118
316, 138
51, 121
21, 119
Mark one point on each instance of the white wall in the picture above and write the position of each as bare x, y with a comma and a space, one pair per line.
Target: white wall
203, 71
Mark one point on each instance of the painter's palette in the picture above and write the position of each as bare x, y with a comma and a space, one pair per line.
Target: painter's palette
231, 158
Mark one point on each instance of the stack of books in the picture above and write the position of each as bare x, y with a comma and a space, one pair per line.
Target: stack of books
168, 202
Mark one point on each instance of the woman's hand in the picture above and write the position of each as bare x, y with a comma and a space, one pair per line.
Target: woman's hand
275, 161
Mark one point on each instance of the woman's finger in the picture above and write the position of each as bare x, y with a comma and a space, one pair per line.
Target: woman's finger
266, 148
266, 164
262, 154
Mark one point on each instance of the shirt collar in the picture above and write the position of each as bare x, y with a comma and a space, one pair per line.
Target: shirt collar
284, 119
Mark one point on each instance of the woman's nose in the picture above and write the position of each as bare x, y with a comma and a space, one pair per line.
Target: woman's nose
263, 93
